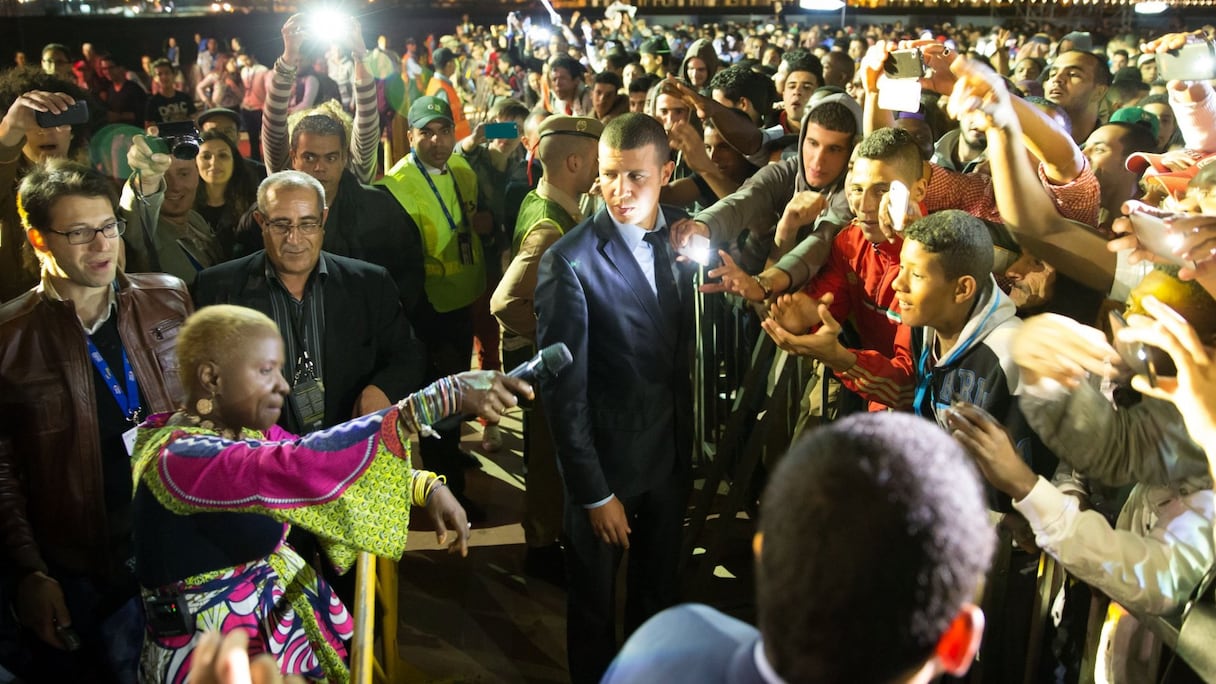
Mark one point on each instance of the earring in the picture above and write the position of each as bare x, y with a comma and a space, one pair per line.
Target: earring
204, 407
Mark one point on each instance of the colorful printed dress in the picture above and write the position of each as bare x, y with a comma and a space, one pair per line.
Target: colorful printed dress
350, 485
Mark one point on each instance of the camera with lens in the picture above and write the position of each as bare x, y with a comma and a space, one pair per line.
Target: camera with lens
181, 137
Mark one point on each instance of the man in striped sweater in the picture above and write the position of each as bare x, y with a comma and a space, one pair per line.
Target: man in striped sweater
365, 139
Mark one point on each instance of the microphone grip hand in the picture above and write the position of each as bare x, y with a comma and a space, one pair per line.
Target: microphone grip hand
488, 394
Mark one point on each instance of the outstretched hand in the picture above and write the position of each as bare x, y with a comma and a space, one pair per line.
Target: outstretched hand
488, 394
796, 312
448, 515
821, 345
992, 448
733, 279
1193, 389
1057, 347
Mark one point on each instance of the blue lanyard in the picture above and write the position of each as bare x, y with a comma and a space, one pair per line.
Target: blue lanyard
439, 198
924, 378
128, 400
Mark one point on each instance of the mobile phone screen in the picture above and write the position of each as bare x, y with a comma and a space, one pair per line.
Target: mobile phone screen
506, 130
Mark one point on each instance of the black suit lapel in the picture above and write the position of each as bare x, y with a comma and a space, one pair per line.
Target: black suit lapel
337, 306
618, 254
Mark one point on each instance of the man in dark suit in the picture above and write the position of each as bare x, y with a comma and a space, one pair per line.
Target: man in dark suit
621, 415
349, 348
341, 318
841, 589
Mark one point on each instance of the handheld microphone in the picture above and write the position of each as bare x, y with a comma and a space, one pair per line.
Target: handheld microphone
544, 366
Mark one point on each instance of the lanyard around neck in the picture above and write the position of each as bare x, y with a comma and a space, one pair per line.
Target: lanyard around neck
439, 198
128, 398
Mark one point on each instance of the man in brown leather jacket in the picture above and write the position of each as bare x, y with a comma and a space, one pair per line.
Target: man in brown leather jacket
84, 356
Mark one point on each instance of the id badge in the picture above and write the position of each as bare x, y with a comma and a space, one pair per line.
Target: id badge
308, 395
128, 440
466, 248
168, 615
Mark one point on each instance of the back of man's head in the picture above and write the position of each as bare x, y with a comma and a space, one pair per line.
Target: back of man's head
631, 131
960, 241
737, 82
643, 83
875, 535
896, 147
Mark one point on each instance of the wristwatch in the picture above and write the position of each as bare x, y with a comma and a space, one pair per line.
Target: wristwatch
768, 291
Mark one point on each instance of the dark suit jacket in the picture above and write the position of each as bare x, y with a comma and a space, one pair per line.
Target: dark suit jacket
688, 643
366, 223
368, 340
621, 414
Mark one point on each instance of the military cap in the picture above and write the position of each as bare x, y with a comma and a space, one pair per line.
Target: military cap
583, 126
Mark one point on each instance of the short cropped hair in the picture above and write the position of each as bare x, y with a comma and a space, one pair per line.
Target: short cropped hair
632, 131
643, 83
1102, 75
285, 180
894, 146
833, 116
961, 242
212, 333
163, 62
570, 64
618, 60
508, 108
799, 59
56, 47
331, 109
1136, 137
319, 124
609, 78
737, 82
48, 183
875, 535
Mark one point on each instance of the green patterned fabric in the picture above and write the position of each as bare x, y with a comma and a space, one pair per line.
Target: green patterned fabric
371, 513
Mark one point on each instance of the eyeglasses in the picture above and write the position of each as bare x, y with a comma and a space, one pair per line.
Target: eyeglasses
283, 228
84, 236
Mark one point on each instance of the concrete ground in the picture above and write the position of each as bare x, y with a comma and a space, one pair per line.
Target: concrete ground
480, 619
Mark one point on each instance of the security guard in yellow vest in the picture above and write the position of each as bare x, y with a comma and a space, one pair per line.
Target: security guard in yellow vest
568, 152
439, 191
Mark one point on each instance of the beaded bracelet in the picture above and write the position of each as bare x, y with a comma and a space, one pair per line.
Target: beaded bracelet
422, 409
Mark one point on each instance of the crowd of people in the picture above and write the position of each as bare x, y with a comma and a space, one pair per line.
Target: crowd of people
232, 294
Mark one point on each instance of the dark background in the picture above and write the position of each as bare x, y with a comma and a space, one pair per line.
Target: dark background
129, 37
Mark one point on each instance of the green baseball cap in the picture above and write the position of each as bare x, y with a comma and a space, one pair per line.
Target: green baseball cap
426, 109
1137, 115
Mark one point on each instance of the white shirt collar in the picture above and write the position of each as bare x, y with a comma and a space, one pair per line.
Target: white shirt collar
634, 234
48, 287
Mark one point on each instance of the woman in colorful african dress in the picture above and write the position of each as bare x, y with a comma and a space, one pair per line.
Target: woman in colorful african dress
218, 484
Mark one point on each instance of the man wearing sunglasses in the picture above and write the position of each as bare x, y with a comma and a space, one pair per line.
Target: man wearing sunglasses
87, 354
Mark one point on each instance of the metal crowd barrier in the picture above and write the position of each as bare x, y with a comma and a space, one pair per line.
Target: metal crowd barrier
375, 584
